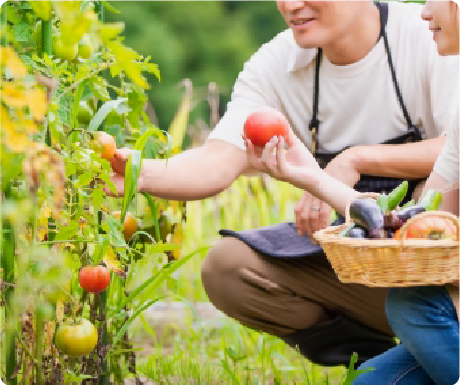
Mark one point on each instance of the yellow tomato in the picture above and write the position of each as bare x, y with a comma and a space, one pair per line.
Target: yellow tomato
76, 339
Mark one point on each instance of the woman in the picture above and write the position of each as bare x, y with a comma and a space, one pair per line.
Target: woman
424, 318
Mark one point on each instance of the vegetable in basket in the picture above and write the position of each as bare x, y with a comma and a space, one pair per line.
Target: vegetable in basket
431, 228
367, 213
430, 200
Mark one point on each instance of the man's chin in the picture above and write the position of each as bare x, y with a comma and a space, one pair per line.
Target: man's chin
306, 42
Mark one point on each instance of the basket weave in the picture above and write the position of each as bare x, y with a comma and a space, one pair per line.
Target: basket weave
392, 262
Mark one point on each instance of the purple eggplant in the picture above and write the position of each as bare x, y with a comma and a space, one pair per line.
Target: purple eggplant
367, 213
358, 232
395, 219
409, 212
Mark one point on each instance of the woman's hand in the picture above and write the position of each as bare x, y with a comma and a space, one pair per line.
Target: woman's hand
280, 164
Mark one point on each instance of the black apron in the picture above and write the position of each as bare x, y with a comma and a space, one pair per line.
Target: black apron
368, 183
281, 240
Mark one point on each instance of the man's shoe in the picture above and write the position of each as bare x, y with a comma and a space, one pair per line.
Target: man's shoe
333, 343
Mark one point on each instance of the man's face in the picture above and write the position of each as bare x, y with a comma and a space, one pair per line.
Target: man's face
443, 21
317, 23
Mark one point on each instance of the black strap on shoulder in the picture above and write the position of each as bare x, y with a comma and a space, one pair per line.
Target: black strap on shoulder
314, 122
383, 9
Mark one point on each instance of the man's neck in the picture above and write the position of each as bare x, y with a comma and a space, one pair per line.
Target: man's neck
358, 41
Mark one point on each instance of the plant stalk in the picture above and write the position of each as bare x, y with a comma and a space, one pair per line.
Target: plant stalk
7, 263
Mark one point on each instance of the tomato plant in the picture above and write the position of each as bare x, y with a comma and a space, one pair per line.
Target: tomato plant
264, 124
76, 338
60, 114
94, 278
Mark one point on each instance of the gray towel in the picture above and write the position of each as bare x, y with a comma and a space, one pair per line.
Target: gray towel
278, 241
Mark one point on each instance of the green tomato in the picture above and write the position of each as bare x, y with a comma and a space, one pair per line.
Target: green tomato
85, 47
76, 339
164, 227
85, 113
63, 51
55, 293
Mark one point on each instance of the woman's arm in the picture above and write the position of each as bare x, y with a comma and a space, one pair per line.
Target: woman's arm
449, 191
298, 167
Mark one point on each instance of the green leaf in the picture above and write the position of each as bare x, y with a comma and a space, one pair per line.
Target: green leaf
352, 373
229, 371
108, 182
115, 231
97, 197
141, 142
99, 87
153, 282
109, 7
103, 111
84, 180
67, 232
22, 32
101, 246
153, 210
76, 103
131, 319
132, 171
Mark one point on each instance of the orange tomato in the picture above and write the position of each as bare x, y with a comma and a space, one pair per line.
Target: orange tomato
104, 144
94, 278
129, 226
431, 228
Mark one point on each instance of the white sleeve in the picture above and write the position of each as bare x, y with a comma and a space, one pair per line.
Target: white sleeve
447, 162
251, 91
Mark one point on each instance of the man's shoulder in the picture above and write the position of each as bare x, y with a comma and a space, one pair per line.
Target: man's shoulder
276, 52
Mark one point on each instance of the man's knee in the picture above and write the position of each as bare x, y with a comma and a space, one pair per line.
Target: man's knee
220, 274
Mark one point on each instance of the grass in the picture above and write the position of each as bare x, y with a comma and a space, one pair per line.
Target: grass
186, 352
232, 354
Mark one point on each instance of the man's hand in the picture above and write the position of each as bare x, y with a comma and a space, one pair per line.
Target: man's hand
118, 164
312, 214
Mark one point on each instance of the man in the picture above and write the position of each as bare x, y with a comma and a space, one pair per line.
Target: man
360, 104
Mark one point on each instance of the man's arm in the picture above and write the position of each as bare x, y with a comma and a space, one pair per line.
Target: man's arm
405, 161
195, 174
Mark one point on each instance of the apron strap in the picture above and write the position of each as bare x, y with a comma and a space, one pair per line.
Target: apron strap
383, 8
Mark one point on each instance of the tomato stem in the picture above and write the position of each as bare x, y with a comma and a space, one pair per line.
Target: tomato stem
7, 258
82, 301
39, 345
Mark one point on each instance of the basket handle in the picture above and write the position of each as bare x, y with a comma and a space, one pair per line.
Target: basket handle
369, 195
431, 213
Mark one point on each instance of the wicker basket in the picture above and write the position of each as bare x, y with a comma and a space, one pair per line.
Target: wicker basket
392, 262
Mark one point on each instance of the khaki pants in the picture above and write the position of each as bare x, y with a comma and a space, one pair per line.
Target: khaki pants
282, 296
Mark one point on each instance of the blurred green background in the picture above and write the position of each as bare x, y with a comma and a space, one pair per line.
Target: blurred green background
205, 41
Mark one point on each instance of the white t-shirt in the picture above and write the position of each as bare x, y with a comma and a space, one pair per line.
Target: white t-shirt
357, 102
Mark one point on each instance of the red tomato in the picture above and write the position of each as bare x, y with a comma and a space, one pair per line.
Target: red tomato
431, 228
264, 124
94, 278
